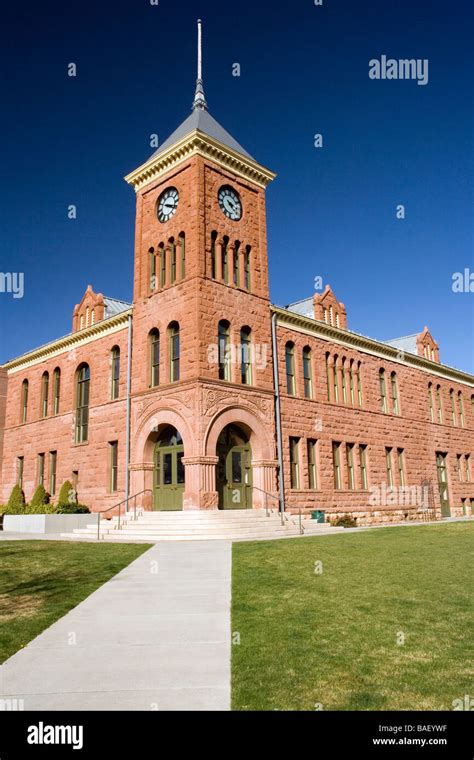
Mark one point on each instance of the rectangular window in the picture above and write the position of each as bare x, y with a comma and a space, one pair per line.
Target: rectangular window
53, 457
335, 380
290, 369
394, 386
453, 410
57, 390
401, 467
294, 463
439, 404
388, 462
336, 461
113, 445
351, 382
20, 462
247, 268
383, 392
459, 466
359, 385
461, 410
363, 467
350, 466
307, 374
328, 376
430, 401
312, 472
41, 469
468, 468
344, 382
464, 506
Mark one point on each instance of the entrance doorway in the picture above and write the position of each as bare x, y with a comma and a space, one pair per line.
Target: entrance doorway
168, 476
443, 484
234, 469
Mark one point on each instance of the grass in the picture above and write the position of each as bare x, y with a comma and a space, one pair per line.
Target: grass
331, 641
42, 580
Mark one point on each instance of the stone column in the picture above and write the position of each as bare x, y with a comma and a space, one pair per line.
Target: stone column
200, 483
264, 479
141, 478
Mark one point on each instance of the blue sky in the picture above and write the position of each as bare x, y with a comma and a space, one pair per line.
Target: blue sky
304, 70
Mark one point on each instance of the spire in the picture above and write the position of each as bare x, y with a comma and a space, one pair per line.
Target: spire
199, 98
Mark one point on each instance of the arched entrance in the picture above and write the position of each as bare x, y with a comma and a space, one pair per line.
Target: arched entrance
234, 469
168, 475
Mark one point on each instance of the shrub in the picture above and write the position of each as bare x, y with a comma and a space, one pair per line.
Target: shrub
67, 494
40, 509
16, 503
72, 509
40, 497
346, 521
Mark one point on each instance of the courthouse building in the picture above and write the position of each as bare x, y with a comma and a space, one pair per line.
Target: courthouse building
203, 395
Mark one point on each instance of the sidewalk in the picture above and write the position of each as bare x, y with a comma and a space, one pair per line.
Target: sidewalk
154, 637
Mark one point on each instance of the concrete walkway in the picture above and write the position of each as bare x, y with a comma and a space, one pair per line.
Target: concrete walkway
154, 637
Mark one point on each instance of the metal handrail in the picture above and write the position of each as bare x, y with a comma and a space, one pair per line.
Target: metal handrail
273, 496
119, 505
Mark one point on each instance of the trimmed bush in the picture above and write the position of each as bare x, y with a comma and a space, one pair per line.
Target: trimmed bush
72, 509
16, 503
67, 495
40, 497
346, 521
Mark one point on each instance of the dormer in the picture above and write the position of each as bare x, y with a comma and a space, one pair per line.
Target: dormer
426, 346
89, 311
328, 309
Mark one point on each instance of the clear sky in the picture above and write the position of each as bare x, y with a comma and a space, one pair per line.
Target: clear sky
304, 70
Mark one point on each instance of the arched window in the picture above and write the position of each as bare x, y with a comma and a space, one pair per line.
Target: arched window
174, 351
247, 281
331, 315
351, 382
430, 402
154, 348
24, 401
83, 378
152, 257
115, 373
394, 388
224, 260
223, 348
290, 368
383, 391
93, 317
343, 378
44, 394
359, 385
307, 373
335, 379
236, 267
439, 404
246, 355
162, 253
453, 408
172, 248
328, 375
213, 255
182, 252
56, 389
460, 409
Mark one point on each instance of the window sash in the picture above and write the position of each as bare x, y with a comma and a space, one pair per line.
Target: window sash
312, 472
294, 463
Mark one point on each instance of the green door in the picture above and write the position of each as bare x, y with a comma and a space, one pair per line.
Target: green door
443, 484
234, 477
168, 486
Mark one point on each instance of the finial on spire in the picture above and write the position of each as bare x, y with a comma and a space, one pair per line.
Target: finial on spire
199, 98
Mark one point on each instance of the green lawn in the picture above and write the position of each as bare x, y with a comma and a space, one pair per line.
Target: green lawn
42, 580
330, 639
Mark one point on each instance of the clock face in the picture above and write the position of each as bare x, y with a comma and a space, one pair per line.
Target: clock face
230, 203
167, 204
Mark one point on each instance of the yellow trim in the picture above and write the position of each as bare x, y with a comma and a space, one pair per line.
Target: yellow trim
348, 339
198, 143
73, 340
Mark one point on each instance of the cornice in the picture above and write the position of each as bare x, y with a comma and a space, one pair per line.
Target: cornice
348, 339
198, 143
68, 342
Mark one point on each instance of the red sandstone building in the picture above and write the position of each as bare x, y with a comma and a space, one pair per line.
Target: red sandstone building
210, 397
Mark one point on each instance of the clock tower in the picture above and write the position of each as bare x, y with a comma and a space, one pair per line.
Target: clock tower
202, 415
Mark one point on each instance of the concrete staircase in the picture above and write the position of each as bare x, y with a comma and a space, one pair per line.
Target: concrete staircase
232, 525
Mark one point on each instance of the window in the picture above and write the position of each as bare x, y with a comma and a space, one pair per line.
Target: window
41, 469
401, 467
328, 376
53, 458
290, 368
113, 448
383, 391
307, 375
223, 346
430, 401
56, 389
246, 357
82, 403
24, 401
162, 265
182, 248
224, 260
115, 379
236, 268
20, 462
335, 381
351, 382
336, 461
459, 466
460, 409
152, 257
350, 466
247, 268
453, 408
172, 248
359, 384
388, 462
294, 463
464, 506
394, 387
44, 394
213, 255
312, 472
363, 467
439, 404
468, 468
174, 351
154, 343
344, 384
